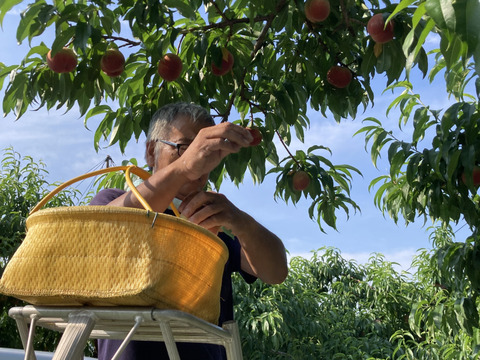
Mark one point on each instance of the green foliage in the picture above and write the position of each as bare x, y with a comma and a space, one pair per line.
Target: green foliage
329, 184
444, 319
328, 308
116, 180
281, 62
23, 185
331, 308
431, 174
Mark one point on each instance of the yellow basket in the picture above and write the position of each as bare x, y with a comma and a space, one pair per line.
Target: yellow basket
103, 256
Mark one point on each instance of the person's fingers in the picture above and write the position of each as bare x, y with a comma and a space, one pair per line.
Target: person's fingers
207, 209
191, 203
205, 216
215, 229
232, 133
211, 145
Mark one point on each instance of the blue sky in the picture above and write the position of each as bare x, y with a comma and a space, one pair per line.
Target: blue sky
62, 142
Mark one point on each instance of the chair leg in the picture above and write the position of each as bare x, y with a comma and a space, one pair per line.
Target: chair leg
169, 340
29, 352
74, 339
233, 349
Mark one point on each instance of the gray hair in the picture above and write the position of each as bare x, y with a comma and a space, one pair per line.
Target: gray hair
164, 117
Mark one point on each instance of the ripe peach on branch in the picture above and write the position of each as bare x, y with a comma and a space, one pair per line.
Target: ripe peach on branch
339, 76
170, 67
475, 177
377, 29
300, 180
226, 64
257, 136
317, 10
64, 61
112, 62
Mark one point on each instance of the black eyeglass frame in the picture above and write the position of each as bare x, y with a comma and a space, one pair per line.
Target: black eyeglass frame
179, 148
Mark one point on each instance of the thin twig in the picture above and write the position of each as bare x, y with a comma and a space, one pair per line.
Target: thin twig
258, 44
288, 151
119, 38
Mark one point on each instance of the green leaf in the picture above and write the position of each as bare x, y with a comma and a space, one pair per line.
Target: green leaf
429, 26
404, 4
452, 49
467, 314
6, 6
28, 18
83, 31
183, 8
62, 39
442, 12
472, 31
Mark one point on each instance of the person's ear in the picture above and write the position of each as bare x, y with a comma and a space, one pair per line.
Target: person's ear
150, 154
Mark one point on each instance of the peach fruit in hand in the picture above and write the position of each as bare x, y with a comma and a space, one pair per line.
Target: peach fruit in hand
227, 63
112, 62
257, 136
170, 67
300, 180
317, 10
339, 76
64, 61
380, 33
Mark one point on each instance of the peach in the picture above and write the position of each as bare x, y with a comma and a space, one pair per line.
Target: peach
378, 31
317, 10
257, 136
64, 61
170, 67
112, 62
300, 180
339, 76
227, 63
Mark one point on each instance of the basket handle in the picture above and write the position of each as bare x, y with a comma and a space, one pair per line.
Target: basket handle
127, 169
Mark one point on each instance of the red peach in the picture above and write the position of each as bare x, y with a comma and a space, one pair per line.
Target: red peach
112, 62
227, 63
339, 76
170, 67
65, 60
378, 31
317, 10
300, 180
257, 136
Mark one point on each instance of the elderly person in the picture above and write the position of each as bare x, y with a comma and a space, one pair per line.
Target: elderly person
183, 145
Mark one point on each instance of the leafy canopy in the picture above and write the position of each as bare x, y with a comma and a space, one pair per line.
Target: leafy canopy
281, 61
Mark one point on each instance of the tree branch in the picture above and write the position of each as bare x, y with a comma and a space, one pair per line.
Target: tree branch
127, 42
258, 44
223, 24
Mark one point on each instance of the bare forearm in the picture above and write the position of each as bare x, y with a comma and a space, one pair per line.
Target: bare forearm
264, 254
158, 190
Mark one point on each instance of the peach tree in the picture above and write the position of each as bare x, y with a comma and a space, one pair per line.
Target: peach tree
274, 60
275, 63
267, 65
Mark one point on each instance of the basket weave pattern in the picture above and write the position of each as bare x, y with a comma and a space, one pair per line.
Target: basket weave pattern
103, 256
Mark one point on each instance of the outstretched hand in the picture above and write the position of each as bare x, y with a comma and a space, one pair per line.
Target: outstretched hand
210, 210
211, 145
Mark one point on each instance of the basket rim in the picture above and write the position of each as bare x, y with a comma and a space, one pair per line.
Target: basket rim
69, 211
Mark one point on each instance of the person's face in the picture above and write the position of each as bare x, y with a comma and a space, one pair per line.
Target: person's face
182, 131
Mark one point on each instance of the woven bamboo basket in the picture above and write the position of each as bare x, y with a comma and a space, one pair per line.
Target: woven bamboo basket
110, 256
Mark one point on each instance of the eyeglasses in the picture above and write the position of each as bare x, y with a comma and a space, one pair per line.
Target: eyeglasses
180, 147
